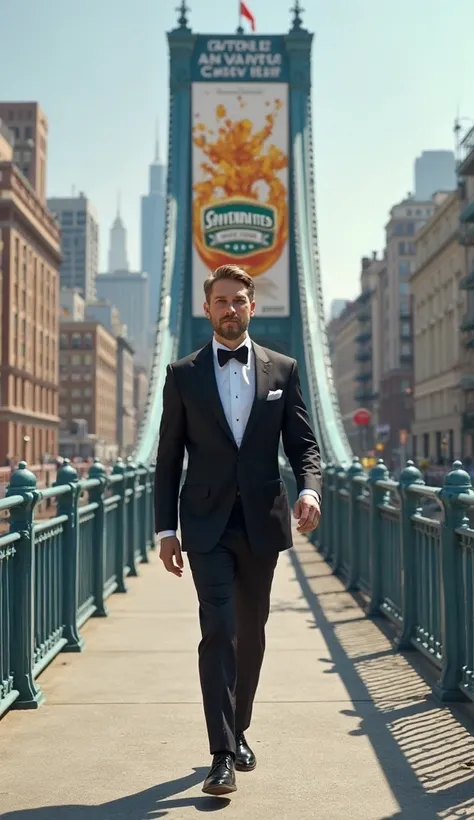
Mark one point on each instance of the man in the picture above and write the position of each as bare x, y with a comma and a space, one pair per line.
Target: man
228, 405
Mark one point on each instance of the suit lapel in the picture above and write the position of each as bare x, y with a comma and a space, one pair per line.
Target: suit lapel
206, 385
262, 385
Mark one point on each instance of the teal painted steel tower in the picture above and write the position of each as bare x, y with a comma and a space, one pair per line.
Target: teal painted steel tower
241, 189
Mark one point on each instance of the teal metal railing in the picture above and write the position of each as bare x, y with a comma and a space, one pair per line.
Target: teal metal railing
409, 548
57, 572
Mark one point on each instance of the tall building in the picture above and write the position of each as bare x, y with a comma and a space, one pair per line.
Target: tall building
30, 313
152, 231
438, 307
434, 171
106, 315
125, 397
140, 394
466, 240
368, 341
118, 259
396, 355
336, 308
128, 292
87, 404
30, 129
7, 141
71, 304
341, 336
79, 242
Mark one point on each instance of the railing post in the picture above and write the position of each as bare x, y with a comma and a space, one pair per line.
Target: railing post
96, 495
120, 561
332, 535
377, 495
144, 513
338, 520
131, 484
353, 535
456, 482
67, 505
409, 504
328, 479
23, 482
319, 535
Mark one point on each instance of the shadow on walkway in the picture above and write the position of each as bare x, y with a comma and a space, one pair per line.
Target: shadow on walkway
426, 750
152, 803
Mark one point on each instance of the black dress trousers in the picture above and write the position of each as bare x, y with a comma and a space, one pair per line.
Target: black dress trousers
233, 587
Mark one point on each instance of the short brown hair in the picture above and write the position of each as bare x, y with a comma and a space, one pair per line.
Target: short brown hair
229, 272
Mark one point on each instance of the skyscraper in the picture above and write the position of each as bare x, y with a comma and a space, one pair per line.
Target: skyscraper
79, 242
434, 171
30, 128
118, 259
128, 292
152, 230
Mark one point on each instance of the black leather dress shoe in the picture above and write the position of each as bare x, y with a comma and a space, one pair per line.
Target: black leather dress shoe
245, 760
221, 777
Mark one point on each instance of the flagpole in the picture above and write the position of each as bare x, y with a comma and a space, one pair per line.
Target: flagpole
239, 28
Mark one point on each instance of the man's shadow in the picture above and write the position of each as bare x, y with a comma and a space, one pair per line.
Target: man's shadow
152, 803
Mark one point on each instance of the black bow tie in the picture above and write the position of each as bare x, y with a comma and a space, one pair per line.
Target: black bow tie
241, 354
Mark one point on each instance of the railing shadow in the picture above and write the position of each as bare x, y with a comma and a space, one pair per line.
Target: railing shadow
426, 750
149, 804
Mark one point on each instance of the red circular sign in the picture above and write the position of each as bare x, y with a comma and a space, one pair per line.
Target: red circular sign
362, 417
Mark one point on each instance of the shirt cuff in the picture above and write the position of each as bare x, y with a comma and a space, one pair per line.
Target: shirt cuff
313, 493
165, 534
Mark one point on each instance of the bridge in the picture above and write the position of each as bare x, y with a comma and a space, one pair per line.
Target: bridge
373, 617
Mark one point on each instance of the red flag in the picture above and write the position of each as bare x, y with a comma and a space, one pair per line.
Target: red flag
245, 12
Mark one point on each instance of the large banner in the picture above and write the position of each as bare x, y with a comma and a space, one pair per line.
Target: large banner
240, 187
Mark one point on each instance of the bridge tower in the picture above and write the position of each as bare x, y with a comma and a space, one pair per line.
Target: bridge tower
240, 189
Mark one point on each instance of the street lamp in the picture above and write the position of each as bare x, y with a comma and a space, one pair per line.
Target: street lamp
26, 440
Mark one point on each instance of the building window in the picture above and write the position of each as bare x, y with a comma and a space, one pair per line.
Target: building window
404, 269
405, 349
63, 341
76, 409
76, 340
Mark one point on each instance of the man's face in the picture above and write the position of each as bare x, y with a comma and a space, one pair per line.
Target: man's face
229, 309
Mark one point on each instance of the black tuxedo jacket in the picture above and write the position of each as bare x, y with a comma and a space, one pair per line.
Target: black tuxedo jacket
193, 419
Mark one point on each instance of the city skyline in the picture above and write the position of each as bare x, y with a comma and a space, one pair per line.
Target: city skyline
349, 92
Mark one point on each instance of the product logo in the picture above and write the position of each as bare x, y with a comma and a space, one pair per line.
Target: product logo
239, 227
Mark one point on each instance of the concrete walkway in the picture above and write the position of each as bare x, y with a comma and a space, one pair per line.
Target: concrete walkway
343, 728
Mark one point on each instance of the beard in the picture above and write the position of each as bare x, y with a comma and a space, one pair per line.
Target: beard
230, 330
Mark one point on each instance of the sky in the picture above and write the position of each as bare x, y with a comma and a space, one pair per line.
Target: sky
388, 81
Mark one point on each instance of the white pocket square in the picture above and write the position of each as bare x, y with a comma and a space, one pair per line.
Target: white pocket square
273, 395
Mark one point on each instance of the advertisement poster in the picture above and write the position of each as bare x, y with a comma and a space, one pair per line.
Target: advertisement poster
240, 187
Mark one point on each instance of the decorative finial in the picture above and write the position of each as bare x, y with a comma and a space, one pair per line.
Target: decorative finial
183, 15
118, 204
297, 12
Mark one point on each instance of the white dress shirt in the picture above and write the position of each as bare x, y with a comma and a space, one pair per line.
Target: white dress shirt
236, 386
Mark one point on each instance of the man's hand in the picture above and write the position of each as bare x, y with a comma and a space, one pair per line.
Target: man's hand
308, 513
170, 554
